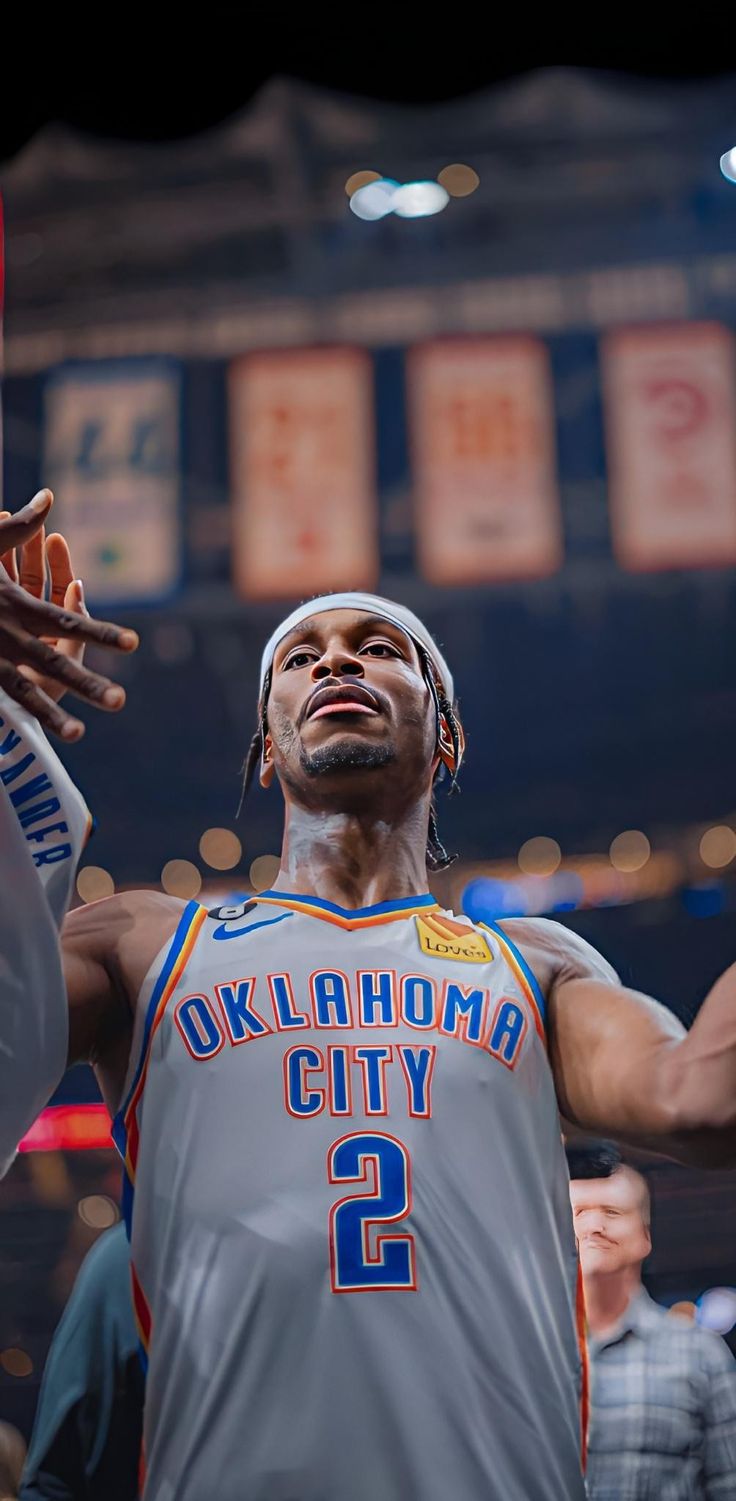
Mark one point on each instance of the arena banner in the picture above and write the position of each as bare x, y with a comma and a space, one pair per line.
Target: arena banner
670, 407
483, 459
302, 447
112, 451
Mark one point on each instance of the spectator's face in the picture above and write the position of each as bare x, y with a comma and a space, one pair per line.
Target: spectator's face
609, 1219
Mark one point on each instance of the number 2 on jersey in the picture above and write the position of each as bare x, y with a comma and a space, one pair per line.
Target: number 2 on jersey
362, 1257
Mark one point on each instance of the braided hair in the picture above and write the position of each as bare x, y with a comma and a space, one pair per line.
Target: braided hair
437, 856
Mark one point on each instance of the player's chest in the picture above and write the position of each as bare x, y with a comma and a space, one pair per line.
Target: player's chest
349, 1009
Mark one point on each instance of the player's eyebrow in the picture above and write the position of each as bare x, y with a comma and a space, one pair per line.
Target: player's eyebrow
307, 629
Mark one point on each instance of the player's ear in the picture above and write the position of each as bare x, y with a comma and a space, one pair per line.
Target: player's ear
267, 766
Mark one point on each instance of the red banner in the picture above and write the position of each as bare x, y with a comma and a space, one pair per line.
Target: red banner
483, 456
302, 471
670, 402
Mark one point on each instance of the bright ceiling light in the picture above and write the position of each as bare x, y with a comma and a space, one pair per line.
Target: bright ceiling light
417, 200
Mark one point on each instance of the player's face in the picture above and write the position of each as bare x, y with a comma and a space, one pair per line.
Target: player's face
609, 1222
349, 700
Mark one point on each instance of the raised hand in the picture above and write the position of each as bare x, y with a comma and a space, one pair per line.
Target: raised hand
42, 640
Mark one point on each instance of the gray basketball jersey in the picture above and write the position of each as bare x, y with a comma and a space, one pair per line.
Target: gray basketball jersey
354, 1270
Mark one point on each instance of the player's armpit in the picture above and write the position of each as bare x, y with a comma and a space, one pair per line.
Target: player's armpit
618, 1059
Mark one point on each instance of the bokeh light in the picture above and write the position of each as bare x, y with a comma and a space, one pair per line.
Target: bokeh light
220, 848
539, 856
360, 180
718, 846
16, 1362
728, 164
97, 1211
630, 850
263, 872
419, 200
485, 899
181, 878
93, 883
458, 180
717, 1309
375, 200
707, 899
685, 1308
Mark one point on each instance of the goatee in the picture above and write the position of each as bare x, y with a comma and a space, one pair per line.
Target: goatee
345, 755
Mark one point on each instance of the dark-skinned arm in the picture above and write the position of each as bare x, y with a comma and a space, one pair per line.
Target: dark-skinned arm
624, 1066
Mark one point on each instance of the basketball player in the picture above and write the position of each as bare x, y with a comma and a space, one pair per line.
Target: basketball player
354, 1271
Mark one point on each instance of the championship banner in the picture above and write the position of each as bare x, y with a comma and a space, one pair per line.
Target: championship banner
113, 457
483, 456
302, 451
670, 405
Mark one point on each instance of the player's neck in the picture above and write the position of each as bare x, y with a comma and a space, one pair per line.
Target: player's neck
607, 1297
354, 859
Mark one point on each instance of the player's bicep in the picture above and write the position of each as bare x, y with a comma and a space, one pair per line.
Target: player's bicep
611, 1051
98, 1009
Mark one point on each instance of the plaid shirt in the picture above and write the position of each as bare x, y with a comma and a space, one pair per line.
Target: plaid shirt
663, 1410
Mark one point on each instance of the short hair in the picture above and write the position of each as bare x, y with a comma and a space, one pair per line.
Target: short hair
601, 1159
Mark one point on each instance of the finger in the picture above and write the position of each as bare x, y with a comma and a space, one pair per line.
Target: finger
95, 689
33, 565
17, 529
73, 650
73, 600
59, 560
7, 559
48, 714
74, 679
44, 619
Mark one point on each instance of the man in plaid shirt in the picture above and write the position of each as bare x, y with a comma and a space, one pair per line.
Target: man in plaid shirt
663, 1391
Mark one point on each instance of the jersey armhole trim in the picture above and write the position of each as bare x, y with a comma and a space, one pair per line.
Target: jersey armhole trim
525, 974
178, 952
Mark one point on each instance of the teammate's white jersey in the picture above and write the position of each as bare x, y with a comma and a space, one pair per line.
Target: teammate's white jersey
354, 1267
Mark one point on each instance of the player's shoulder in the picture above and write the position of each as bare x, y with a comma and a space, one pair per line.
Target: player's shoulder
125, 931
125, 909
555, 952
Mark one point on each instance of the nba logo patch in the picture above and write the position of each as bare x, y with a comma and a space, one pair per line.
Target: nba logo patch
444, 939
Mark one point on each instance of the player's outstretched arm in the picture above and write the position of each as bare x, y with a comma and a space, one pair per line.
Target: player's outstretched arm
108, 948
624, 1066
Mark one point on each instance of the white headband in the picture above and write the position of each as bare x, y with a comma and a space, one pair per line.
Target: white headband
371, 604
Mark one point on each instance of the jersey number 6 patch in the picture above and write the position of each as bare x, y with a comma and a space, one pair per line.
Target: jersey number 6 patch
363, 1257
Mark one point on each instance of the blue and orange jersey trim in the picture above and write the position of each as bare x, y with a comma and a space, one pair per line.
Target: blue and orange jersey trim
581, 1323
142, 1315
524, 975
125, 1130
347, 917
